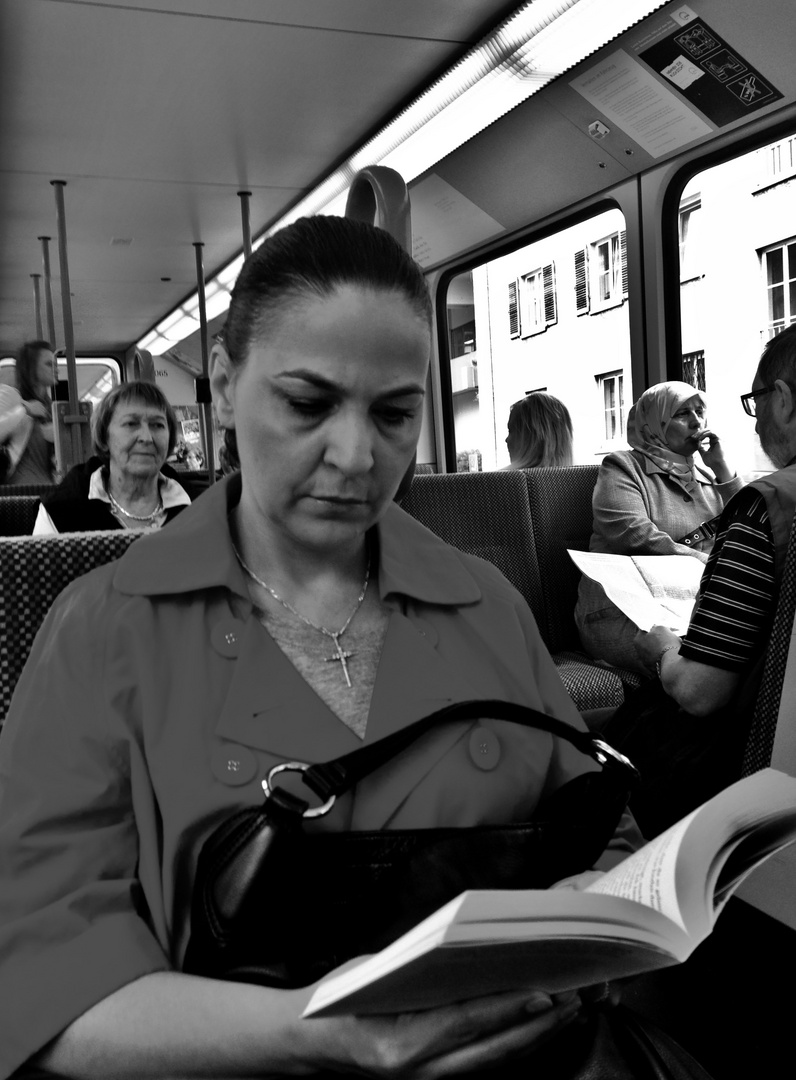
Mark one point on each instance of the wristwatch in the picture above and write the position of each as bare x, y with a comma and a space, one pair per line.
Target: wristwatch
661, 654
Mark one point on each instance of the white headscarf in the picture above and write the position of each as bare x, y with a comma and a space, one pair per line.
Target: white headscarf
648, 421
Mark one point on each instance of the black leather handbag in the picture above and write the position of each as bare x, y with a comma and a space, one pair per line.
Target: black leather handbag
276, 905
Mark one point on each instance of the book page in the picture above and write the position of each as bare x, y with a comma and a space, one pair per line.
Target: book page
652, 590
648, 876
688, 872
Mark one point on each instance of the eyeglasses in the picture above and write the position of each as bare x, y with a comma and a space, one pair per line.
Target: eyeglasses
748, 400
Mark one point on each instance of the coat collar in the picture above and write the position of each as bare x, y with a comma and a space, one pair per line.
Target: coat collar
195, 553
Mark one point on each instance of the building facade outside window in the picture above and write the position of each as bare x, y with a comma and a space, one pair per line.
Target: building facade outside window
612, 386
779, 272
778, 161
538, 305
689, 219
694, 369
601, 274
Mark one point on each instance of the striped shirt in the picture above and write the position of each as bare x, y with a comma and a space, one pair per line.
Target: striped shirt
737, 596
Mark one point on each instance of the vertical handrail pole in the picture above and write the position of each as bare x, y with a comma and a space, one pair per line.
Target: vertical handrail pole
245, 220
69, 336
48, 288
37, 305
205, 407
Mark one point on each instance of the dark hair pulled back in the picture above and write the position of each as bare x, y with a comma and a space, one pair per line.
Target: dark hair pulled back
311, 258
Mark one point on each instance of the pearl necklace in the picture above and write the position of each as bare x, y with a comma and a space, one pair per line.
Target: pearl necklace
135, 517
341, 656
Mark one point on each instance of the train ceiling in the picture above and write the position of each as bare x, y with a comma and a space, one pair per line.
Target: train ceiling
156, 113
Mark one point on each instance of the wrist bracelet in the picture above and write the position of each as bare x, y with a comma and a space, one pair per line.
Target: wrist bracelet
661, 654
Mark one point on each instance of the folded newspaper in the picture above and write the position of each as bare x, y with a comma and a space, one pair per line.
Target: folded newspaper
652, 590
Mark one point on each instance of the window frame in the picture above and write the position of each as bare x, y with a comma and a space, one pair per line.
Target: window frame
787, 283
538, 303
602, 380
688, 272
588, 299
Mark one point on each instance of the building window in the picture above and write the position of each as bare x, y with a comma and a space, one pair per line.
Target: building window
688, 223
601, 274
779, 269
694, 369
778, 161
613, 398
538, 307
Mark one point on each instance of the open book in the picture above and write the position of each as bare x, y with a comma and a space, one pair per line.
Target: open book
650, 589
650, 911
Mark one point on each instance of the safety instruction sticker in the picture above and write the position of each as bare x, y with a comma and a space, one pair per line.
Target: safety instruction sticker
676, 82
712, 76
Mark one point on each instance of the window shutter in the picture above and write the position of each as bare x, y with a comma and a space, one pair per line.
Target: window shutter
550, 305
623, 257
514, 310
581, 283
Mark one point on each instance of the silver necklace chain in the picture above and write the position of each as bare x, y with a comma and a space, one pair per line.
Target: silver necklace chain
135, 517
342, 656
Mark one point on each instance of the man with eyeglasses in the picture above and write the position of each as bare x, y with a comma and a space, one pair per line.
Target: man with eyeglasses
731, 623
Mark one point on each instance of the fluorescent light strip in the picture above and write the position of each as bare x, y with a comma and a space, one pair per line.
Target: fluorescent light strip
540, 41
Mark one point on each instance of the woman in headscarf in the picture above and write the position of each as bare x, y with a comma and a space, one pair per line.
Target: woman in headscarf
653, 500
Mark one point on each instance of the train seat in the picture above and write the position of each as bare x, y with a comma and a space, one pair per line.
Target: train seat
490, 514
25, 489
484, 514
33, 571
18, 514
561, 510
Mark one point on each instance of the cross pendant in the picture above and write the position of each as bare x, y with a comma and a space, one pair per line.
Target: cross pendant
342, 657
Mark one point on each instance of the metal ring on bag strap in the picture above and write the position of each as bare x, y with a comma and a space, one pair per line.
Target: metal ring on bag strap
604, 752
299, 767
333, 778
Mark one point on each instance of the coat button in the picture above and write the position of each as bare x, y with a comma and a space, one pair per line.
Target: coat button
484, 748
226, 635
233, 765
426, 630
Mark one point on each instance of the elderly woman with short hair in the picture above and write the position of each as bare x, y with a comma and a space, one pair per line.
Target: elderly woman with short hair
134, 429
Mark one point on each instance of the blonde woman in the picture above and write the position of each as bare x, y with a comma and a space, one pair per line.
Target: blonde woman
540, 432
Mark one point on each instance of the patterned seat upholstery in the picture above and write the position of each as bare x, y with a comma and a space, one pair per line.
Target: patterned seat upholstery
18, 514
760, 742
490, 514
33, 571
484, 514
25, 489
560, 500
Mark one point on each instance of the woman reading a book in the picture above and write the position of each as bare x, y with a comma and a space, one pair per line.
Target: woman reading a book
293, 612
654, 499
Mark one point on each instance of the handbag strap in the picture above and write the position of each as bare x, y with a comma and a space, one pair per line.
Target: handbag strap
331, 778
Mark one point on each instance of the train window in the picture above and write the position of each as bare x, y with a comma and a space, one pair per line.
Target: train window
552, 314
737, 279
96, 375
